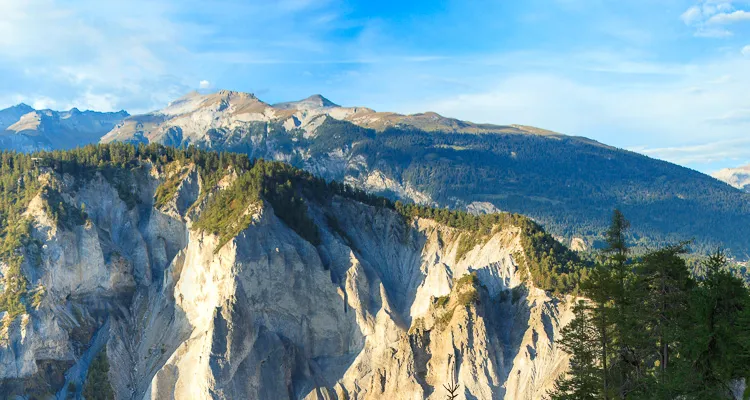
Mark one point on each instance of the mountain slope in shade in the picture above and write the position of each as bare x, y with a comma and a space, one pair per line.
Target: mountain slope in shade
569, 184
737, 177
23, 128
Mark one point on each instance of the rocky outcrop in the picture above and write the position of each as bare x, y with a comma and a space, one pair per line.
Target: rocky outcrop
381, 308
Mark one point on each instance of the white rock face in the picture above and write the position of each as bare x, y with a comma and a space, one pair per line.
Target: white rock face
737, 177
481, 207
578, 244
270, 316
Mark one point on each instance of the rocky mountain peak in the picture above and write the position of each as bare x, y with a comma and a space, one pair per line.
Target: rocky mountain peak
321, 101
315, 101
236, 94
12, 114
738, 177
21, 107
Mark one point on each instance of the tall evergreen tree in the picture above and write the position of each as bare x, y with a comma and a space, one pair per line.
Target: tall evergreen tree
716, 347
598, 288
617, 260
664, 282
583, 381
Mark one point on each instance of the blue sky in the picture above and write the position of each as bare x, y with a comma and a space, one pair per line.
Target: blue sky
668, 78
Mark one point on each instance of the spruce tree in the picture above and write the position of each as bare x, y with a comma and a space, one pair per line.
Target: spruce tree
617, 260
598, 288
664, 283
583, 380
716, 345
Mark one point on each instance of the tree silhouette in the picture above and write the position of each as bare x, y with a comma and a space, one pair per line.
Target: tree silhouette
452, 386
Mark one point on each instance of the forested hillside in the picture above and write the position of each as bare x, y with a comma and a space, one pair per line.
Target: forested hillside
568, 184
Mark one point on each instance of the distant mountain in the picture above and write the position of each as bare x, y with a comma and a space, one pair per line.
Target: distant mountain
313, 102
11, 115
737, 177
570, 184
196, 118
23, 128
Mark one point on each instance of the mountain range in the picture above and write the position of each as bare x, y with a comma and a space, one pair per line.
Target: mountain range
142, 271
569, 184
23, 128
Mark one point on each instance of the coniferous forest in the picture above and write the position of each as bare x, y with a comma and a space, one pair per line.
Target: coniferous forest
648, 328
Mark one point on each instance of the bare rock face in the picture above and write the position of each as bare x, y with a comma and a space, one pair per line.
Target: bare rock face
737, 177
380, 309
578, 244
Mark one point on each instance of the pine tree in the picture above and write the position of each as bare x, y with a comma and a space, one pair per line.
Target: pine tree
583, 380
716, 345
598, 288
664, 283
624, 364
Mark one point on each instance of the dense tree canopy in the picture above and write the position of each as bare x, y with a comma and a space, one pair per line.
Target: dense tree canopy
650, 329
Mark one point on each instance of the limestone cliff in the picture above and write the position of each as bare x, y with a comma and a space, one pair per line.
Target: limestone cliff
381, 308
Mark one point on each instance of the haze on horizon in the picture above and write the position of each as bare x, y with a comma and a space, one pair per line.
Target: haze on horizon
667, 80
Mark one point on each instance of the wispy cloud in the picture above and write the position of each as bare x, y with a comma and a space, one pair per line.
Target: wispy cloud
691, 103
708, 16
141, 54
734, 117
701, 154
618, 72
729, 18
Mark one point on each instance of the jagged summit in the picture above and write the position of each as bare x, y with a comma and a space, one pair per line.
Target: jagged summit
21, 107
315, 101
219, 101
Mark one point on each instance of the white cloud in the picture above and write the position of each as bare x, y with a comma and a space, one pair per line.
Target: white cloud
44, 102
746, 51
97, 101
692, 103
141, 54
728, 18
692, 15
701, 154
204, 84
733, 117
705, 17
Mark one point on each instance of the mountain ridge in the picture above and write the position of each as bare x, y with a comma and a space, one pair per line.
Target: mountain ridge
567, 183
24, 128
570, 184
122, 260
